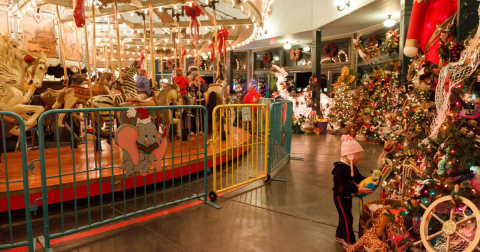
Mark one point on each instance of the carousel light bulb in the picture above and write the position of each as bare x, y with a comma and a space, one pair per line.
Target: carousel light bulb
146, 12
34, 3
138, 46
233, 27
118, 15
128, 46
131, 14
206, 28
206, 1
154, 40
247, 25
166, 40
160, 9
188, 41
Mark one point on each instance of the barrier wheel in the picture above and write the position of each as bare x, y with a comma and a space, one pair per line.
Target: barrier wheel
212, 196
269, 177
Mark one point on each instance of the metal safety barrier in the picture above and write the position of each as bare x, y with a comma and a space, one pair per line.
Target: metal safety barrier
280, 139
83, 188
242, 150
15, 215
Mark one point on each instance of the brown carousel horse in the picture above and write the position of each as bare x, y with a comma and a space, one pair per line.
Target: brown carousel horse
77, 94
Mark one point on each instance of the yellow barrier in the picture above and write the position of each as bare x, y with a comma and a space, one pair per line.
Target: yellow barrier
240, 153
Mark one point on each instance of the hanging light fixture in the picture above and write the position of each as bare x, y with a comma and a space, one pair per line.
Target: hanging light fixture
287, 46
306, 49
389, 22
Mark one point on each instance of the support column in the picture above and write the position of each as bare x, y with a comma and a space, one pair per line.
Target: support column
230, 69
406, 12
316, 66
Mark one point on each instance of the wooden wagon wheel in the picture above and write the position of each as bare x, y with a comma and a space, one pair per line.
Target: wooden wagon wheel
450, 229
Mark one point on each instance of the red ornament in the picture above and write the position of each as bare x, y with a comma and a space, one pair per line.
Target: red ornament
28, 59
223, 35
79, 14
212, 46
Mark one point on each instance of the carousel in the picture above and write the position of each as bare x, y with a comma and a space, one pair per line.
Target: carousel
97, 49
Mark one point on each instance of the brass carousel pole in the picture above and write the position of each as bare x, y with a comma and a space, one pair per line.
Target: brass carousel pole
105, 54
62, 47
216, 40
152, 49
111, 45
145, 43
78, 44
94, 42
87, 65
174, 49
118, 40
180, 53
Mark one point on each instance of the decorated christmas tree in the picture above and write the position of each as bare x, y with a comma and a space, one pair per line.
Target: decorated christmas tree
342, 101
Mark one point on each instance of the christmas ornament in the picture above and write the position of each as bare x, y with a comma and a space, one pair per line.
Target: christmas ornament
79, 13
455, 51
476, 178
193, 13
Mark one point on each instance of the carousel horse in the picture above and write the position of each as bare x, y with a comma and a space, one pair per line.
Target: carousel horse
15, 65
217, 94
77, 94
129, 93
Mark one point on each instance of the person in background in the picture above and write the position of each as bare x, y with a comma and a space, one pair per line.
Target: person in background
253, 97
196, 89
143, 85
346, 177
182, 83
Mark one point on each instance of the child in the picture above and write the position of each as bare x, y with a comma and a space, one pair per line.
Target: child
182, 83
345, 179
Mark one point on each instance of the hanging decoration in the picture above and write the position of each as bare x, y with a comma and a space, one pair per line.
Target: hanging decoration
142, 57
194, 12
79, 14
212, 47
330, 50
267, 58
373, 40
184, 52
391, 42
223, 36
295, 54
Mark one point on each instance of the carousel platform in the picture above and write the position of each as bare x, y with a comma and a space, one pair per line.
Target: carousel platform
181, 159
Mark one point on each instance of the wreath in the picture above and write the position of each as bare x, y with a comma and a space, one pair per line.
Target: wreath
374, 40
330, 50
267, 58
169, 64
198, 61
295, 54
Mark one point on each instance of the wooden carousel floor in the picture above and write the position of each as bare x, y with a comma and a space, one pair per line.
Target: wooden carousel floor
67, 168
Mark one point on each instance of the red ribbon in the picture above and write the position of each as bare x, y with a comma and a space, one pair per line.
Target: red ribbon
183, 53
212, 46
79, 14
142, 57
223, 35
194, 12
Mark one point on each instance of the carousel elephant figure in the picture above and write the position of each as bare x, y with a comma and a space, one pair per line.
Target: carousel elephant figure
143, 145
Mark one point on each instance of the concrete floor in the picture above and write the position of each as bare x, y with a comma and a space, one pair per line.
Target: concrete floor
298, 215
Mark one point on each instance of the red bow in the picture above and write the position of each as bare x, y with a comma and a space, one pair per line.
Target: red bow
212, 46
142, 57
193, 12
223, 35
79, 14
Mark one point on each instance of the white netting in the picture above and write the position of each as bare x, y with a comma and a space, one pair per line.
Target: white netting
452, 75
457, 243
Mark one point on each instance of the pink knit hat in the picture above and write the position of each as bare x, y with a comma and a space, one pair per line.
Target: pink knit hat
349, 147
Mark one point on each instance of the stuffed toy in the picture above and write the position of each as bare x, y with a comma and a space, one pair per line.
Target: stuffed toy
370, 241
371, 183
424, 33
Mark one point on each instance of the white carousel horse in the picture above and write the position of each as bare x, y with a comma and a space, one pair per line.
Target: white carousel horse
17, 67
217, 94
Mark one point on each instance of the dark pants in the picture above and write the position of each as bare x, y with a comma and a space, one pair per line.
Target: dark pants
345, 219
197, 122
